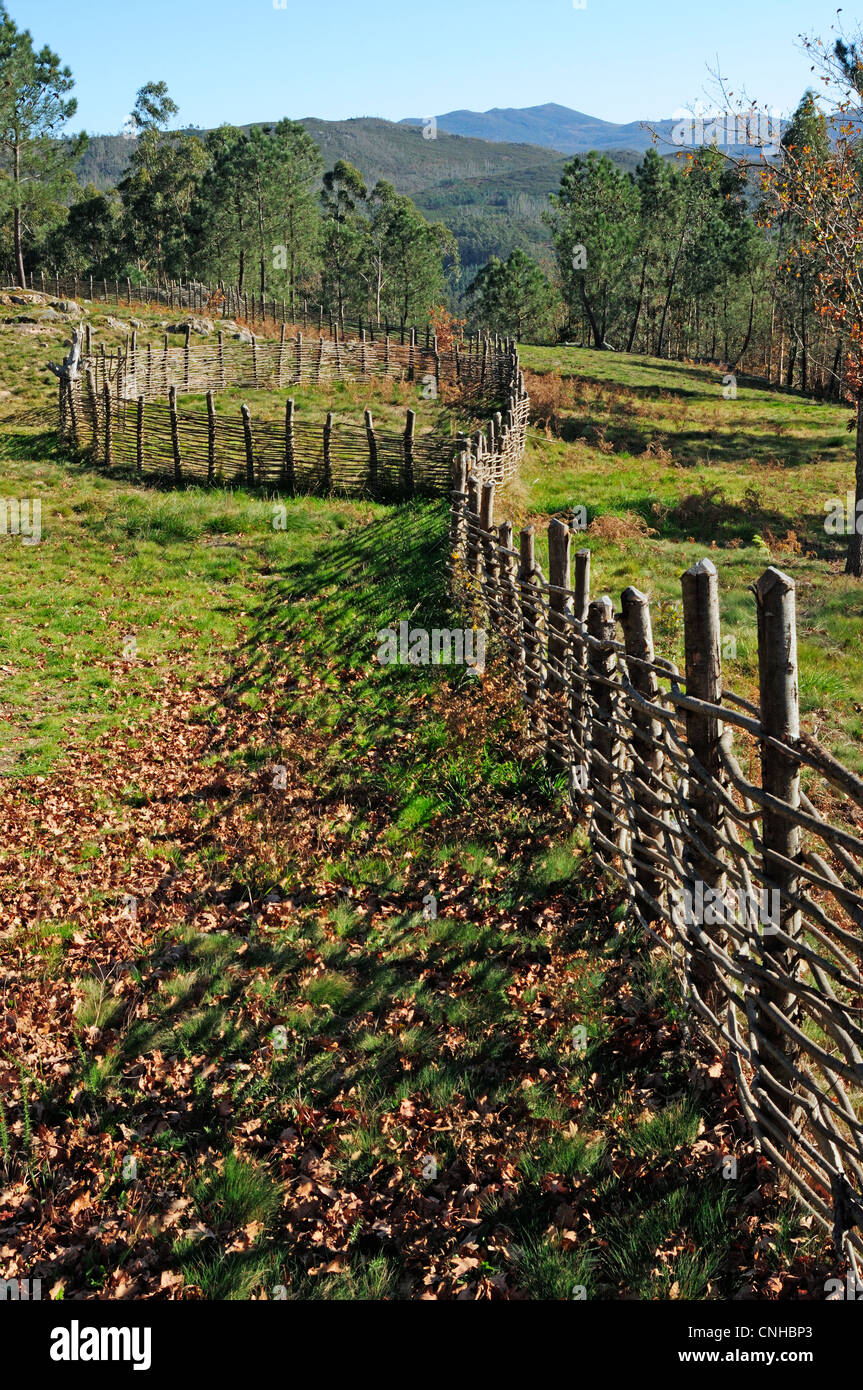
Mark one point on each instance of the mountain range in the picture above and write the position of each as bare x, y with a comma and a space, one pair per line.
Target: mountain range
550, 126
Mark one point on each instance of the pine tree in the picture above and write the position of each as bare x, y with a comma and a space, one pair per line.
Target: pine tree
34, 106
513, 296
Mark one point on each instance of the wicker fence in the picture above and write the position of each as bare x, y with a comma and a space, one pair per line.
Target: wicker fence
123, 408
753, 884
226, 300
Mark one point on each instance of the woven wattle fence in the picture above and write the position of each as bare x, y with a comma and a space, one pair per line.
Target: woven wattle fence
751, 883
123, 408
226, 300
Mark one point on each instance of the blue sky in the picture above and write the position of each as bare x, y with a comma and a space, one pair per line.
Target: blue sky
245, 60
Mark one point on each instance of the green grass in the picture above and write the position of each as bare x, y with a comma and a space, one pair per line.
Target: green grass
745, 481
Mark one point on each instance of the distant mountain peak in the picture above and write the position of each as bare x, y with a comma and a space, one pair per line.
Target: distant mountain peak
551, 125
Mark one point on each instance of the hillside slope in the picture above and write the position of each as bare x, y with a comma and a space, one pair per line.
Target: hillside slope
491, 193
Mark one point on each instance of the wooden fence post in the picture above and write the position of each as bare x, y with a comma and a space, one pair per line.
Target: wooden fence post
498, 432
290, 478
250, 450
373, 451
578, 702
187, 349
604, 738
531, 629
328, 460
559, 606
646, 750
139, 436
93, 403
489, 556
221, 360
211, 437
703, 733
109, 434
320, 359
508, 593
410, 423
62, 410
73, 415
780, 778
299, 358
254, 357
472, 551
457, 528
175, 434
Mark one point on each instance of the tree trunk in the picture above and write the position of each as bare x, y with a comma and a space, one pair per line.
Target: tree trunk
835, 383
669, 294
804, 345
19, 250
261, 246
594, 326
854, 560
641, 298
17, 233
739, 358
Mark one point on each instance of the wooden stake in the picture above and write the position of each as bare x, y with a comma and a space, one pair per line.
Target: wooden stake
139, 436
373, 452
531, 628
109, 441
457, 527
410, 423
211, 437
250, 451
290, 469
647, 756
780, 777
175, 434
604, 743
703, 732
328, 463
560, 606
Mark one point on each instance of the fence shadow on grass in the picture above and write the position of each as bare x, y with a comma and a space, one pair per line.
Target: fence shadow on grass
372, 576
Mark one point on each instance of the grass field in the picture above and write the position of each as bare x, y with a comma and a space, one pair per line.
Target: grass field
238, 1058
668, 470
